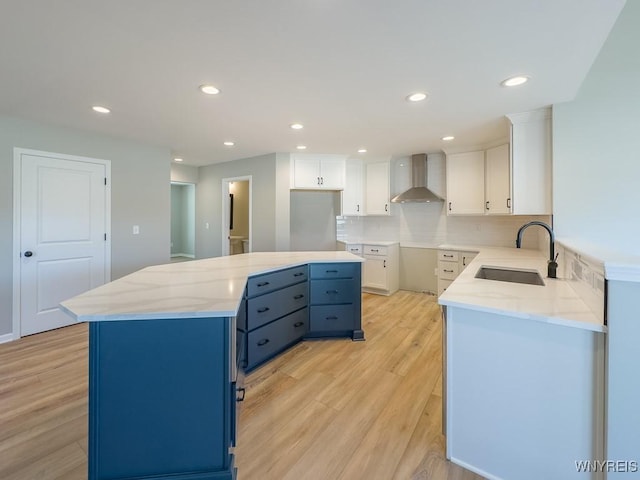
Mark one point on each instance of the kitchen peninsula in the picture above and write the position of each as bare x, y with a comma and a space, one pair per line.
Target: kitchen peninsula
165, 343
524, 372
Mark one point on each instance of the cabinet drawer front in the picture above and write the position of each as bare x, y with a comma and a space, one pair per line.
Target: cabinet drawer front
447, 270
327, 292
333, 270
355, 249
443, 285
375, 250
268, 340
273, 281
448, 256
265, 308
328, 318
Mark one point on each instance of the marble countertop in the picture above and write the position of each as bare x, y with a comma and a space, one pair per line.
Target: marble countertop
211, 287
383, 243
556, 302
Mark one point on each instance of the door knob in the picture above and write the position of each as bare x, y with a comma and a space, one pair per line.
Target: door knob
28, 253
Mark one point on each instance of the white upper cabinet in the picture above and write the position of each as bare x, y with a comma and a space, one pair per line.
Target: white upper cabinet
317, 171
377, 188
465, 183
353, 193
497, 180
531, 162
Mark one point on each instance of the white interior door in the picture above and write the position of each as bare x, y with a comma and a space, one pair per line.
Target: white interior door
63, 230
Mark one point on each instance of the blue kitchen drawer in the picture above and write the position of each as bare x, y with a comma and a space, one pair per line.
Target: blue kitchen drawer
325, 292
265, 308
332, 318
333, 270
273, 281
266, 341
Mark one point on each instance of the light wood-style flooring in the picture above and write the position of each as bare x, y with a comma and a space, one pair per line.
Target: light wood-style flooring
331, 410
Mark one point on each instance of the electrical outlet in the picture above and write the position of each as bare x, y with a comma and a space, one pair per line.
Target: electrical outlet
206, 225
136, 229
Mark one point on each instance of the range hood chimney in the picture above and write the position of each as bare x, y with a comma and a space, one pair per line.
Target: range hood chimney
418, 191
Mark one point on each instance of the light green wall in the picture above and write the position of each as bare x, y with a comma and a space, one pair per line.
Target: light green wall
596, 146
139, 196
270, 229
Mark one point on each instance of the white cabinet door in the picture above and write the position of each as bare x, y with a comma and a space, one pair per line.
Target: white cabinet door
377, 188
318, 172
332, 170
352, 195
465, 183
374, 272
531, 162
497, 181
306, 172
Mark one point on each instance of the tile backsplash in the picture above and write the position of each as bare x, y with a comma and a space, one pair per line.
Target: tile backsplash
427, 223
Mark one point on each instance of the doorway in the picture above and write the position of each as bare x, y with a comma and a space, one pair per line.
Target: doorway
61, 235
236, 215
183, 221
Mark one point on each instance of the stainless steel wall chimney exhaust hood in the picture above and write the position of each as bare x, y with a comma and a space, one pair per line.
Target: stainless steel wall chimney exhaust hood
418, 191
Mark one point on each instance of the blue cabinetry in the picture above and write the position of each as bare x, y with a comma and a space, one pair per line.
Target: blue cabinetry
162, 399
336, 302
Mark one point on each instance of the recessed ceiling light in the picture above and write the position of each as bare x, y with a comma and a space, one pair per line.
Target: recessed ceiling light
177, 160
362, 150
229, 144
209, 89
301, 147
515, 81
297, 126
416, 97
100, 109
448, 138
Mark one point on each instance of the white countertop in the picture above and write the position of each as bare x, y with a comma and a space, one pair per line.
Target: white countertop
556, 302
211, 287
382, 243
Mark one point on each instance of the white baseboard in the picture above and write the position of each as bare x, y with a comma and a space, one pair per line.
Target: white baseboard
188, 255
7, 337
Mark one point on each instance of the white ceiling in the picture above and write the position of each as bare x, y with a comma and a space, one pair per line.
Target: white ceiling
342, 68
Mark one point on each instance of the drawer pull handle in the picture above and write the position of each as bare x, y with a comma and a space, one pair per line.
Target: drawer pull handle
333, 317
299, 274
448, 271
298, 324
262, 342
375, 250
262, 284
448, 256
298, 297
266, 309
240, 393
331, 271
331, 292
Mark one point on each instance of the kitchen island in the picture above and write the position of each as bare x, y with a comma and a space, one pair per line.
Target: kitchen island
164, 351
524, 373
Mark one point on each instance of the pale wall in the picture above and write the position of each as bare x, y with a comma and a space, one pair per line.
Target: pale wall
139, 196
596, 146
270, 228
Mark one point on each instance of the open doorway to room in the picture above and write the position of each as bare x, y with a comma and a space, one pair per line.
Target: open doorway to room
236, 215
183, 221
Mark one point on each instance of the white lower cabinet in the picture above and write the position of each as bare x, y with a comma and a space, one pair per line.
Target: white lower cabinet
450, 264
381, 269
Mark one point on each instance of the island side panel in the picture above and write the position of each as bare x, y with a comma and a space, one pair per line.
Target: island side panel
523, 396
161, 399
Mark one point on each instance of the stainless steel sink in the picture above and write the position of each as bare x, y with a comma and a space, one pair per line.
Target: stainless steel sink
513, 275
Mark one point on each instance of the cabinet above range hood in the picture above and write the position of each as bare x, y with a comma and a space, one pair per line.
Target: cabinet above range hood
418, 193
